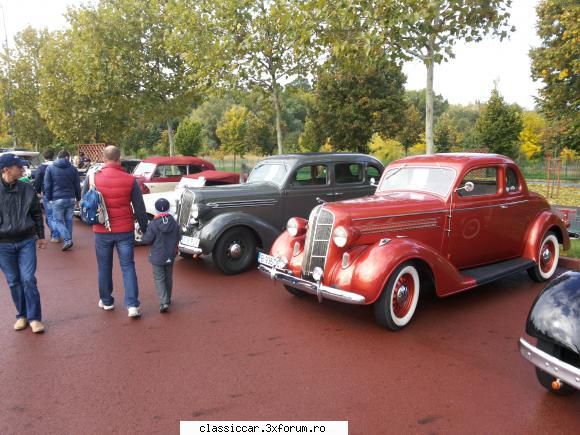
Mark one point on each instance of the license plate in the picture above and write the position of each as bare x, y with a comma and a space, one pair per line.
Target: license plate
266, 259
190, 241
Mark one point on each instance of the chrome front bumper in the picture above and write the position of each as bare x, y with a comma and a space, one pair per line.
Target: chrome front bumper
189, 249
567, 373
314, 288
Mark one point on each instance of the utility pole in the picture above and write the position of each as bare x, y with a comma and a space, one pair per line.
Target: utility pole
9, 79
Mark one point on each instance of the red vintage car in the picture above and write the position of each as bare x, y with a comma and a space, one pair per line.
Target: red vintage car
448, 221
161, 174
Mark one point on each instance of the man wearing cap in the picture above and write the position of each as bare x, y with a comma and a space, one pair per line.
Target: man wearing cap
21, 228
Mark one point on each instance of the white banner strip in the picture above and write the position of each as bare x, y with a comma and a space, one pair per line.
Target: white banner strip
260, 427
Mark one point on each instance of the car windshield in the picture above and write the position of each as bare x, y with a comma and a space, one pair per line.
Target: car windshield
144, 169
418, 178
272, 172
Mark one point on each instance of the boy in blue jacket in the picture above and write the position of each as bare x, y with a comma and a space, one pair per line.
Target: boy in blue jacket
163, 234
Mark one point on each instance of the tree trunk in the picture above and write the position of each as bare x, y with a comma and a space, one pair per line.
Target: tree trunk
170, 137
429, 105
276, 97
97, 136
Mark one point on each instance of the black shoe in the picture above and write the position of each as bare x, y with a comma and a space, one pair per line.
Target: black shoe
163, 308
67, 245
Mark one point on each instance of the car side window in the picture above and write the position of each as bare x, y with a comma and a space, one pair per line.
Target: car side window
373, 172
512, 183
484, 181
348, 173
311, 175
194, 169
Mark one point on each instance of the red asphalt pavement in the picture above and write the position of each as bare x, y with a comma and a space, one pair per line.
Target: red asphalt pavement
242, 348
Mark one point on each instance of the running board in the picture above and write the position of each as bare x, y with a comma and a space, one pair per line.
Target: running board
491, 272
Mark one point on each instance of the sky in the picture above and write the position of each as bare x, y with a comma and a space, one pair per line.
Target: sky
464, 80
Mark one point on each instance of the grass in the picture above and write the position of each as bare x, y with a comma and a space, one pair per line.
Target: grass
569, 196
574, 251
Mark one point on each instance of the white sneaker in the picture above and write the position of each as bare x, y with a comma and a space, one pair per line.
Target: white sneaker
105, 307
134, 312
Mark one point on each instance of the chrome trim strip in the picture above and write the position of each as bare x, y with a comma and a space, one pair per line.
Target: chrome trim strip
313, 240
400, 215
401, 226
313, 288
502, 205
247, 203
567, 373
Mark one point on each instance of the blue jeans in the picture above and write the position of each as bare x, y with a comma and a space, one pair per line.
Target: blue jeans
50, 219
104, 245
18, 263
62, 213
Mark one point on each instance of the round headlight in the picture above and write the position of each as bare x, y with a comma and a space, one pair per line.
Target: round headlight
194, 211
292, 227
340, 237
317, 273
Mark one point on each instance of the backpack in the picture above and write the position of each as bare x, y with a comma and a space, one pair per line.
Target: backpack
93, 208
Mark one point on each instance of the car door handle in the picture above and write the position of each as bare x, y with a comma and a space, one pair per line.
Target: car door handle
503, 206
338, 193
330, 194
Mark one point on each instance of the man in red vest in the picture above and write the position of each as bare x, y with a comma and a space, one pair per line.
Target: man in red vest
124, 202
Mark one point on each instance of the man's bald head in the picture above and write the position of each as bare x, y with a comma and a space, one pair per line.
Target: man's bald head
111, 154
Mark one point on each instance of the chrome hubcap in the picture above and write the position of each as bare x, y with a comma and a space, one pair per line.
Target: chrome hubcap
546, 255
235, 250
402, 294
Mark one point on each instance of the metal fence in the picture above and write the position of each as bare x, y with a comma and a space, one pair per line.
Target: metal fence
570, 170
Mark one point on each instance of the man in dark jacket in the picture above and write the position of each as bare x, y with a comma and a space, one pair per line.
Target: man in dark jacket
163, 233
62, 188
39, 187
124, 203
21, 227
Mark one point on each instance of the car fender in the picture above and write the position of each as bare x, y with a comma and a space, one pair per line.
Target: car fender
555, 314
545, 221
369, 272
212, 230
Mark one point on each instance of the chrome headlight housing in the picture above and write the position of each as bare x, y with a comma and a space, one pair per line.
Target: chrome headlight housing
194, 211
296, 226
340, 237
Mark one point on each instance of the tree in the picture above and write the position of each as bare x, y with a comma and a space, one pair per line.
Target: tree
445, 135
419, 29
258, 44
189, 137
386, 150
532, 135
557, 64
409, 132
353, 103
233, 131
499, 126
419, 100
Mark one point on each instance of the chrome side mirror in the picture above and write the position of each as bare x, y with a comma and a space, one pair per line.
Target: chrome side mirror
320, 200
468, 187
374, 182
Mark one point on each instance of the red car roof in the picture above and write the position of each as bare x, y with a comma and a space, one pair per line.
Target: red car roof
179, 160
456, 160
223, 176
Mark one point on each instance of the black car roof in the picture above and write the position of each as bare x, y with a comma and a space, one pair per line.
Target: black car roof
324, 157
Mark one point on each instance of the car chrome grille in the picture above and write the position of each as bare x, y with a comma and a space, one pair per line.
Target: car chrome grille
187, 198
318, 237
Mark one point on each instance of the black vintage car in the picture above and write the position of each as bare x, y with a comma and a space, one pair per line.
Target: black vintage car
230, 222
555, 321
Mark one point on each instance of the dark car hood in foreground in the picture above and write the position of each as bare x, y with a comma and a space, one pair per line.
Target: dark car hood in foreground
555, 314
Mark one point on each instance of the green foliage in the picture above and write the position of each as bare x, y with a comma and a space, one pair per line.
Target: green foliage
233, 131
419, 101
410, 128
557, 63
189, 137
140, 140
386, 150
499, 126
446, 135
352, 104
